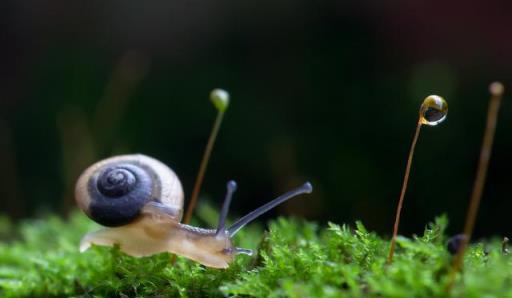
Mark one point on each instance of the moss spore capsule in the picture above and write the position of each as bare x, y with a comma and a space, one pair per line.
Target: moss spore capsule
433, 110
220, 99
496, 89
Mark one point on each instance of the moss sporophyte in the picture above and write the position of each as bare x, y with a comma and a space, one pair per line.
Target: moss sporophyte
295, 258
433, 111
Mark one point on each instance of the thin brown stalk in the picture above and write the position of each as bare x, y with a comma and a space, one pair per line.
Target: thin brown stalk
402, 193
496, 90
202, 167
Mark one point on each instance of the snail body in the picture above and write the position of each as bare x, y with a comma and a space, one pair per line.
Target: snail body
153, 234
139, 200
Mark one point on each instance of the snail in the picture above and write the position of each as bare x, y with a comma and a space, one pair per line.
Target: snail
139, 200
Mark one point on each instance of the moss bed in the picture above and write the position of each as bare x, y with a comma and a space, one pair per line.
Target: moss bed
40, 258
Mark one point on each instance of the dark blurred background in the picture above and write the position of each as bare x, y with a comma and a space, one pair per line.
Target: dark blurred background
326, 91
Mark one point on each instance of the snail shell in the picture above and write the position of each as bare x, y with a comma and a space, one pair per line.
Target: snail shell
113, 192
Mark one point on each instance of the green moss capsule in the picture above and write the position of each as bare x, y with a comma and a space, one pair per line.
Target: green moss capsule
220, 99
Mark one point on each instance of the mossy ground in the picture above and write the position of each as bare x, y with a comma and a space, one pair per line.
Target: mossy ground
294, 259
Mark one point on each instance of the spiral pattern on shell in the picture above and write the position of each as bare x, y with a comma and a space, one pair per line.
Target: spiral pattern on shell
113, 191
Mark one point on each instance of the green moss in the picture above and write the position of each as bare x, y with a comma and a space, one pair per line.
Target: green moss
295, 259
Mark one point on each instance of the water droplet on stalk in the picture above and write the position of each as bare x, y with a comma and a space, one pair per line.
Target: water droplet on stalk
433, 110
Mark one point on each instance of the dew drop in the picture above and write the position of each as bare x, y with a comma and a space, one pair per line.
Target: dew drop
433, 110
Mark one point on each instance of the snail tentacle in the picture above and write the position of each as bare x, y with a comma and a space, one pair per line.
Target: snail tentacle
305, 188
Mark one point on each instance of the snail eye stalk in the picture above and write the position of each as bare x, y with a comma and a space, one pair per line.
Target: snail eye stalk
305, 188
231, 188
